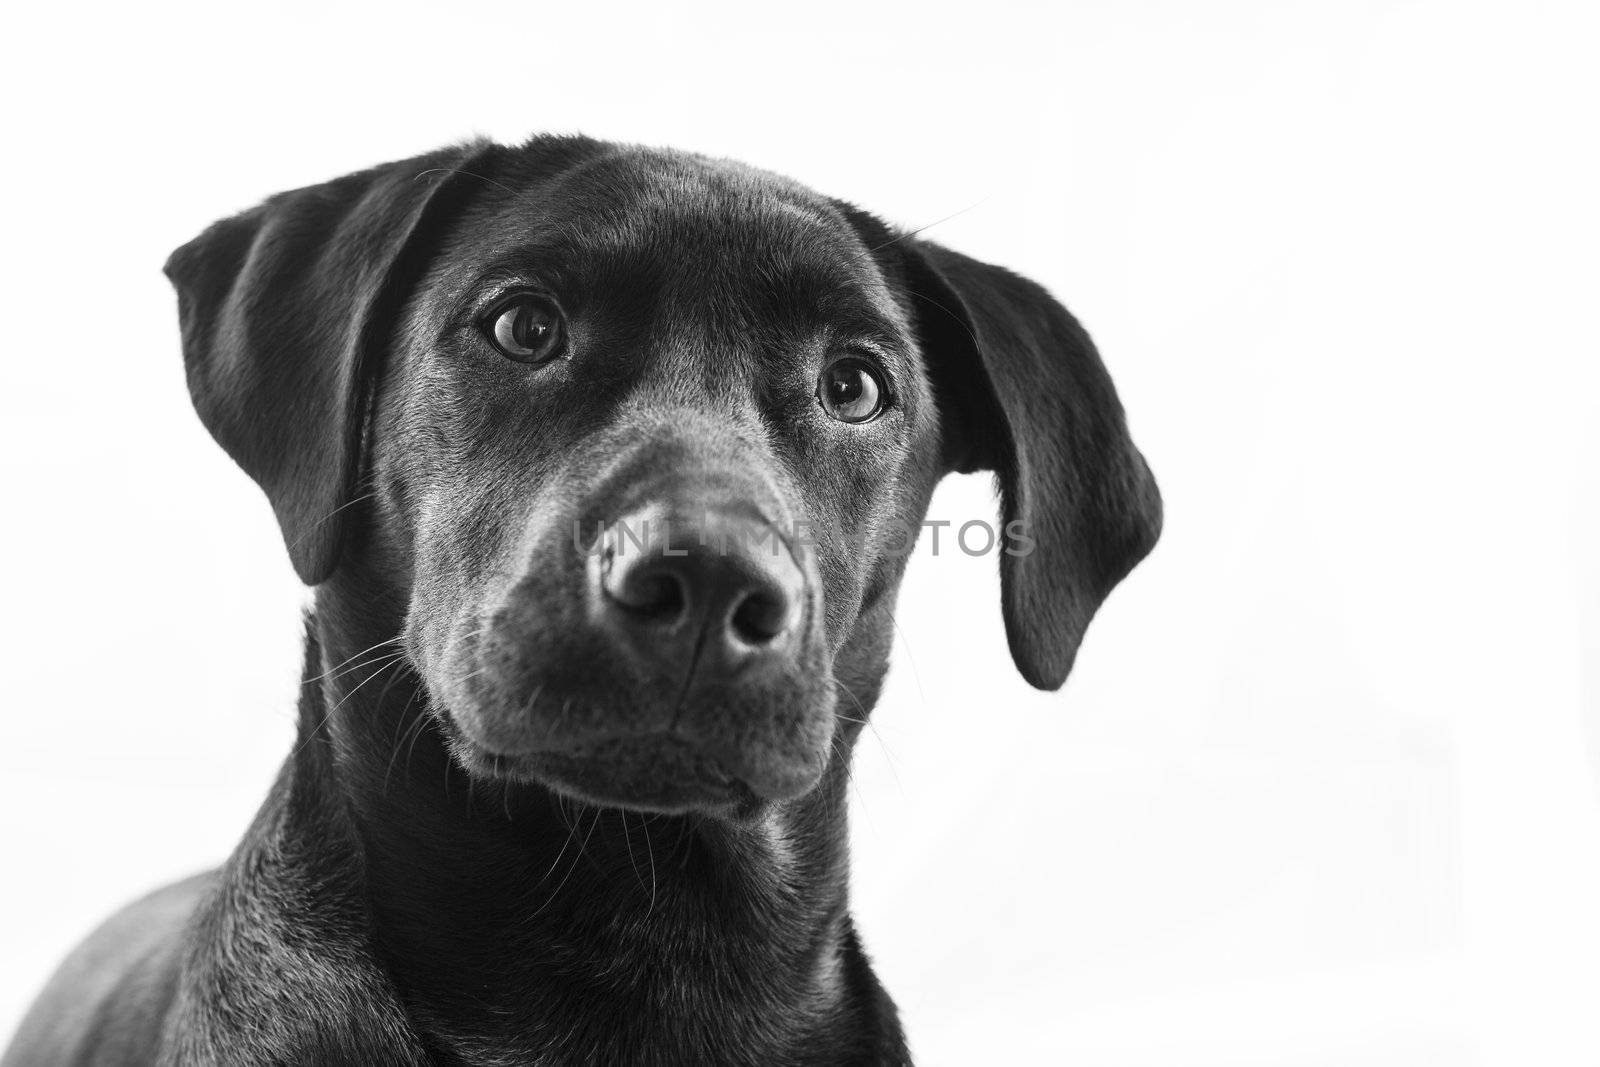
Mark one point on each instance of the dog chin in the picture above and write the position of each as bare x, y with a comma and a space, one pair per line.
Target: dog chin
654, 773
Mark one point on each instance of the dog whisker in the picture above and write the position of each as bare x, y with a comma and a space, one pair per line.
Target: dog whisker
572, 830
644, 824
908, 234
416, 734
415, 727
317, 525
582, 845
329, 714
384, 658
627, 838
347, 659
877, 735
465, 174
905, 643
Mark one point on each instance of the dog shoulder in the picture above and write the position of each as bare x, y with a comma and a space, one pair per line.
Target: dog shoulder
278, 962
107, 1001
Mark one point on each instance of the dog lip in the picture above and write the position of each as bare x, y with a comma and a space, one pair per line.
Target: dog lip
656, 771
695, 782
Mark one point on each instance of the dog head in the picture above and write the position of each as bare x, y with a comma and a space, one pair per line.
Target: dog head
637, 442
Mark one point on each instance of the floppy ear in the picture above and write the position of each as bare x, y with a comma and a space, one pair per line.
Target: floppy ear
284, 310
1031, 401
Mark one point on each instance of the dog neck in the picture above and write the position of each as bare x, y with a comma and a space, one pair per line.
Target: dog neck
521, 927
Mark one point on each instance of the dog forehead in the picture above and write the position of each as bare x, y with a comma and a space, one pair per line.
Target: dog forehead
635, 206
667, 190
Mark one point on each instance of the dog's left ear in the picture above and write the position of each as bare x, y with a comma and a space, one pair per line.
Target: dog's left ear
284, 310
1023, 392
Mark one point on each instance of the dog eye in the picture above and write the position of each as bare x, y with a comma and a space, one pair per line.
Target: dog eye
850, 389
526, 329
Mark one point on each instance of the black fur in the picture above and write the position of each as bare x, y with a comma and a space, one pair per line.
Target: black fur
513, 831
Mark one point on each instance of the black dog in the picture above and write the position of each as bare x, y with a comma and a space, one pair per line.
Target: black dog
602, 460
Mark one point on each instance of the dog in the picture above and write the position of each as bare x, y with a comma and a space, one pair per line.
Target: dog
600, 459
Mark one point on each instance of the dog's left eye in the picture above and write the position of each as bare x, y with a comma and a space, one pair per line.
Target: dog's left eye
851, 389
526, 328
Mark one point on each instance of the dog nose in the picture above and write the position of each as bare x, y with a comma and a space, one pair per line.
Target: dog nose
723, 581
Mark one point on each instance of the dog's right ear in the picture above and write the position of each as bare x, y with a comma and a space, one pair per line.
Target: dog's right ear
284, 310
1027, 396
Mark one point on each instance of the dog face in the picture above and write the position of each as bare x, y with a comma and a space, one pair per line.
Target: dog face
638, 538
641, 440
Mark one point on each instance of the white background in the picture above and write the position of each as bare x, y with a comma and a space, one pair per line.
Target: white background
1322, 790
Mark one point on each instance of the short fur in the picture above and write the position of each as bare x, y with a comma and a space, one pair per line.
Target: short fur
504, 835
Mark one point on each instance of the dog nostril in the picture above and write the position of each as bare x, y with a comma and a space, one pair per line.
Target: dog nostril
653, 592
760, 618
658, 595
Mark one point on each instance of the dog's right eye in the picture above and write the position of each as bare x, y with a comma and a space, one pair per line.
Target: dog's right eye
525, 328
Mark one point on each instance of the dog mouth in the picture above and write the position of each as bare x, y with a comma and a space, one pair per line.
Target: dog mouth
659, 773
